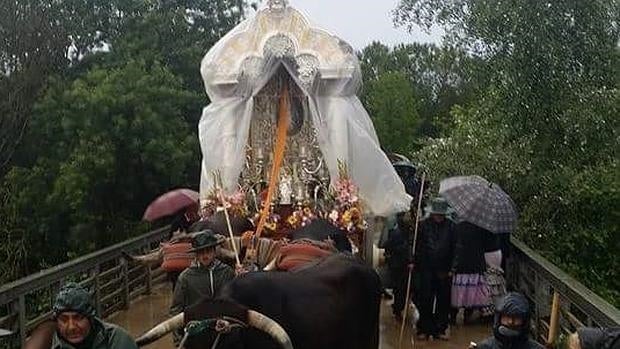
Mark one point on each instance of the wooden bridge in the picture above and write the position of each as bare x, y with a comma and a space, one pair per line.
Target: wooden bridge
137, 297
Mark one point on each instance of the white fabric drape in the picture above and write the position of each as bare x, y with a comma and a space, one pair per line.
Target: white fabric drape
344, 128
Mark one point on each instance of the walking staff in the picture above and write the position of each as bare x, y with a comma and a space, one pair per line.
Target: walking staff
415, 238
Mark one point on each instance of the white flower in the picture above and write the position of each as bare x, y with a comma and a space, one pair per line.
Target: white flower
333, 216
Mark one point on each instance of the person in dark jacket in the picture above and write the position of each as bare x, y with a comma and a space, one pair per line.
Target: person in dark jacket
511, 325
469, 286
399, 261
205, 277
595, 338
77, 325
433, 262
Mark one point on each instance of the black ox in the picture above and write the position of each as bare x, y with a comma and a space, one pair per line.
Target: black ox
333, 304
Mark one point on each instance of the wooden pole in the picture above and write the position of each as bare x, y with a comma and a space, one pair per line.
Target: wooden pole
278, 154
219, 185
415, 239
555, 317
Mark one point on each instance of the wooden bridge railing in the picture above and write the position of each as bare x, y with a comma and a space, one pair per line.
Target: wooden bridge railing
561, 303
112, 281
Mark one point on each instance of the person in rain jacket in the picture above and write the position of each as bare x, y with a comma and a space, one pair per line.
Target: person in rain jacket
399, 261
205, 277
511, 325
595, 338
433, 261
77, 326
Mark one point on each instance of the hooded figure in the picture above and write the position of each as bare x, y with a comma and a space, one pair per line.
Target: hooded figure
511, 325
78, 327
597, 338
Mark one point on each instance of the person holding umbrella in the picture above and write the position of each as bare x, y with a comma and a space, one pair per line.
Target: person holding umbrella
470, 289
484, 209
433, 261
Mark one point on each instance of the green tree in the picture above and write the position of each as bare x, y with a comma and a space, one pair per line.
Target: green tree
40, 38
106, 144
392, 107
100, 118
440, 77
545, 125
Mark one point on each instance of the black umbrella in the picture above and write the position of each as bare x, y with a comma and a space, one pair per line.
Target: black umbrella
320, 229
407, 173
480, 202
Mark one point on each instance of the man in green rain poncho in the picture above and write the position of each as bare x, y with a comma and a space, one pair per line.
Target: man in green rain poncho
78, 327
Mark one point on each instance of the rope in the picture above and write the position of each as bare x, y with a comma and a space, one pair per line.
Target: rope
220, 326
216, 341
182, 343
415, 240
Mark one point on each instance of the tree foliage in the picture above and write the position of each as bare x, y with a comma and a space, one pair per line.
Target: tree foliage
545, 126
106, 144
108, 127
438, 77
391, 104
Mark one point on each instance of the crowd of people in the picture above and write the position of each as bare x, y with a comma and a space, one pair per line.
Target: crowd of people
450, 265
455, 266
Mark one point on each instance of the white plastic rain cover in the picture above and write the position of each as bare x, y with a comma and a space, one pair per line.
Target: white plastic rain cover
327, 71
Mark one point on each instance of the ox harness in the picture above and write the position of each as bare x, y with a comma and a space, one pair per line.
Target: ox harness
221, 325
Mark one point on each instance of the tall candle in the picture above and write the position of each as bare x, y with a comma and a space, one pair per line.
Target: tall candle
303, 151
260, 155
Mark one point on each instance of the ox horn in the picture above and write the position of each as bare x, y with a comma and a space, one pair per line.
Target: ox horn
272, 265
161, 330
269, 326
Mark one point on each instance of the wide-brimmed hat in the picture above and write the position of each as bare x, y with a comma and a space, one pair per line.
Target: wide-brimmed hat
205, 239
438, 205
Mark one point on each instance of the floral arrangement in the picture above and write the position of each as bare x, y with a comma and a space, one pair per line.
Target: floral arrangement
272, 224
235, 203
301, 217
348, 213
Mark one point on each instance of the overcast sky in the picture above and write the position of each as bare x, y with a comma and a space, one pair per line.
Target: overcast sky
359, 22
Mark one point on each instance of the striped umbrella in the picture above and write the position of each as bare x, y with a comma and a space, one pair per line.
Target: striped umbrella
480, 202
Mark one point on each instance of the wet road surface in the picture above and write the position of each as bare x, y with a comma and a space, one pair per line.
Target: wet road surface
148, 311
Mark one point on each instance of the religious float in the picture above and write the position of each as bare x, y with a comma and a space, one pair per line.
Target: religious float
285, 138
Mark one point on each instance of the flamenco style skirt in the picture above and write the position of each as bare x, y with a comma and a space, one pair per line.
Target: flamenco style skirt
470, 291
497, 284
